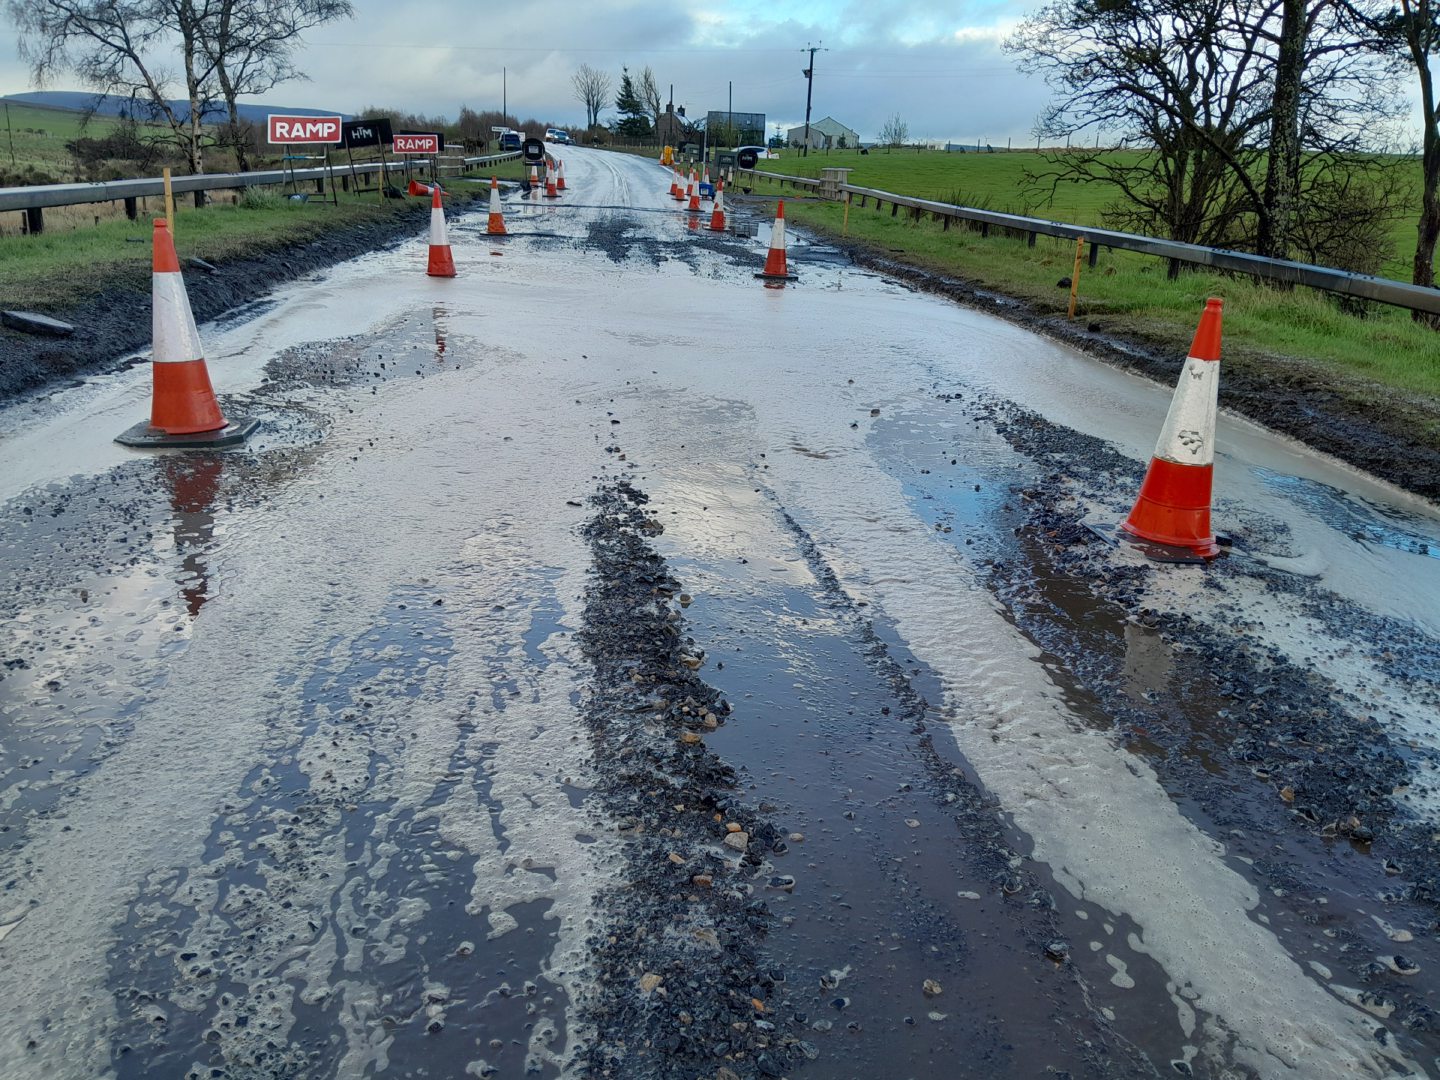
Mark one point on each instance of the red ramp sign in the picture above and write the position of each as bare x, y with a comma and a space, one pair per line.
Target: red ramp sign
286, 130
410, 143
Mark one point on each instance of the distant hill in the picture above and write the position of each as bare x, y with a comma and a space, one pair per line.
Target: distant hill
79, 101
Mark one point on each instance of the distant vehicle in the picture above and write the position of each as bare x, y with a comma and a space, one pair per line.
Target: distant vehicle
556, 135
511, 140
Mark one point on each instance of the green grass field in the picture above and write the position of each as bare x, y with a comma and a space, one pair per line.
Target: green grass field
1127, 293
998, 182
51, 271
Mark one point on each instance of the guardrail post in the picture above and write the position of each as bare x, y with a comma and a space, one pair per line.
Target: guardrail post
34, 220
200, 198
984, 230
1094, 255
320, 185
1031, 241
894, 209
132, 211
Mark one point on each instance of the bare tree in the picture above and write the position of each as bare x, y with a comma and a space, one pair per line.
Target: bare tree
648, 91
895, 131
250, 44
592, 89
1213, 95
110, 45
1414, 29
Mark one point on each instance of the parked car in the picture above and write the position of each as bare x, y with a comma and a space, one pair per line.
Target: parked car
511, 140
556, 135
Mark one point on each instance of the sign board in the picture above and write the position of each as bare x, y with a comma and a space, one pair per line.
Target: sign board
533, 149
747, 157
418, 142
288, 130
357, 133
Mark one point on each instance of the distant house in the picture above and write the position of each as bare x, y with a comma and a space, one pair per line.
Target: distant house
824, 135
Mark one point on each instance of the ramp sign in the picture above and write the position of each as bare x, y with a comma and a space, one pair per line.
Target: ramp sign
286, 130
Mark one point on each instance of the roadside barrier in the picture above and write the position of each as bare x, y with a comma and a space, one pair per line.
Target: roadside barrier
775, 266
496, 226
717, 216
442, 263
1173, 507
183, 409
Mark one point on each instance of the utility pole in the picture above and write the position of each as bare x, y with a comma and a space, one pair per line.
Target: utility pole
505, 94
809, 74
729, 119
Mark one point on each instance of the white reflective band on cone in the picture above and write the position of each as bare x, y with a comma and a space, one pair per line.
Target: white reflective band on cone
1188, 437
438, 236
777, 234
172, 324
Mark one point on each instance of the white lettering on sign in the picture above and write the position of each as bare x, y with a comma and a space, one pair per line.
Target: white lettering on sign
304, 129
417, 144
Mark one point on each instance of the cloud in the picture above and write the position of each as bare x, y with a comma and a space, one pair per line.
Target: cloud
937, 64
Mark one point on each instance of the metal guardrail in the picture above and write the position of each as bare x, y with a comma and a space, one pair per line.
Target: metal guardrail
1363, 286
45, 195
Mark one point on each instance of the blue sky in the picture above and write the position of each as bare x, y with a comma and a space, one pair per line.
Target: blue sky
938, 65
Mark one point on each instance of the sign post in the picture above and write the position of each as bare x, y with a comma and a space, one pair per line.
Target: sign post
373, 132
286, 130
406, 143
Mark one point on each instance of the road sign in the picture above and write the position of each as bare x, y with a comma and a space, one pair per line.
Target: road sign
356, 133
534, 149
287, 130
409, 142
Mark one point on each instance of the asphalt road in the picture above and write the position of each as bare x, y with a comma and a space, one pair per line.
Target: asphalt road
408, 739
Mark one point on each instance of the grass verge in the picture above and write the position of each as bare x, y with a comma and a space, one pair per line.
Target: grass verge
1129, 295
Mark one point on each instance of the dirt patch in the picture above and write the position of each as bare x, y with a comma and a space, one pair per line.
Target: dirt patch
117, 321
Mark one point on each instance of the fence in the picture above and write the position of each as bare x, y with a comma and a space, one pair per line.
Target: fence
1343, 282
33, 200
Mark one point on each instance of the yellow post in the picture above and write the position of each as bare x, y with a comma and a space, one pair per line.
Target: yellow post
1075, 276
169, 204
845, 229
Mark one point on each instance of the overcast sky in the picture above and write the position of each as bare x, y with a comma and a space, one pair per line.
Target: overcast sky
938, 65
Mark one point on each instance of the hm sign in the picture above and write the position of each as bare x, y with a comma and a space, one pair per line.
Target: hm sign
304, 129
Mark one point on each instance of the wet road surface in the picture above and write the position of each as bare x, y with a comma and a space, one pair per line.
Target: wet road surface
602, 665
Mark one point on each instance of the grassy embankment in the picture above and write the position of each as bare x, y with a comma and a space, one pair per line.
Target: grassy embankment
1127, 294
64, 266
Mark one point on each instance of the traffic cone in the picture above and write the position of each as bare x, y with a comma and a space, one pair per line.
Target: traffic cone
551, 191
694, 193
534, 180
183, 409
1173, 508
674, 182
775, 267
416, 188
442, 264
679, 191
717, 216
560, 175
496, 227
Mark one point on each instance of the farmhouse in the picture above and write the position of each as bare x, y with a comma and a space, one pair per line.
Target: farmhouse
824, 135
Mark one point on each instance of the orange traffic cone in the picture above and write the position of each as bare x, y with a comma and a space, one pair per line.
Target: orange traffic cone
183, 409
560, 175
717, 216
496, 227
775, 267
442, 264
679, 191
694, 195
1173, 508
674, 182
551, 191
534, 181
416, 188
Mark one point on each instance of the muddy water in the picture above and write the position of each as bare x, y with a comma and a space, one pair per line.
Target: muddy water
273, 822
